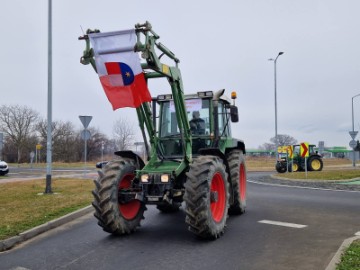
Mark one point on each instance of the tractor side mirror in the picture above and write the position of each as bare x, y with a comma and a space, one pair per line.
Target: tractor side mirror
234, 115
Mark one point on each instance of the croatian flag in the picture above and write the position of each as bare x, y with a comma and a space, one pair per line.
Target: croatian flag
119, 68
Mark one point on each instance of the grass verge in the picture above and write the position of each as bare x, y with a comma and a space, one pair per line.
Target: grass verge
350, 260
24, 206
322, 175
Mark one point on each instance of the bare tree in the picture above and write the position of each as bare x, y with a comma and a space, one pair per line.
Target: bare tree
123, 134
63, 139
95, 143
283, 139
267, 147
18, 123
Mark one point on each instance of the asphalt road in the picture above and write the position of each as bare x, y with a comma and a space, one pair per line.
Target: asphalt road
249, 242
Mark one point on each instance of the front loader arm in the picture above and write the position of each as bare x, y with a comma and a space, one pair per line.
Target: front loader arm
88, 54
172, 73
153, 68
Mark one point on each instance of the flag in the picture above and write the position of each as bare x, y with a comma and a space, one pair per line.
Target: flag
119, 68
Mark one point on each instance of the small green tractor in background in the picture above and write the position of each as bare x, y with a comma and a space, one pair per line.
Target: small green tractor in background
313, 163
203, 168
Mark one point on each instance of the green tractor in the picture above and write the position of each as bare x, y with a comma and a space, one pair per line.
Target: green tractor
196, 162
313, 163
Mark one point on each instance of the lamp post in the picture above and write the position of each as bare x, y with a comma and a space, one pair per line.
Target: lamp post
353, 131
48, 189
275, 97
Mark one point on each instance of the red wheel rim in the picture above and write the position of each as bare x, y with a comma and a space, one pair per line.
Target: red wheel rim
242, 183
218, 207
128, 210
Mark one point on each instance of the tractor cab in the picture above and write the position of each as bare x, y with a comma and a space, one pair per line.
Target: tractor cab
208, 126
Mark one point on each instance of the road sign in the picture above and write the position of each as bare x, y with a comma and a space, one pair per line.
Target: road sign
85, 134
291, 151
304, 149
353, 144
353, 134
85, 120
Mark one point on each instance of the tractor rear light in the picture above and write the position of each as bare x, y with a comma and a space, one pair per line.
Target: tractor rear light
164, 178
145, 178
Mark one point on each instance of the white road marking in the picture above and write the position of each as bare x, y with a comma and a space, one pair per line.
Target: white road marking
285, 224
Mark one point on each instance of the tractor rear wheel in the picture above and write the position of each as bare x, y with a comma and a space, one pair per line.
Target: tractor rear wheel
236, 162
115, 217
207, 197
315, 163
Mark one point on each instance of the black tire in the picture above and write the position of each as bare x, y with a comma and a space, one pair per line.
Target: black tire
315, 163
236, 161
112, 216
207, 197
168, 208
280, 167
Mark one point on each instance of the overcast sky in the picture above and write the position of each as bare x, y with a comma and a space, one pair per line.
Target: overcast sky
221, 44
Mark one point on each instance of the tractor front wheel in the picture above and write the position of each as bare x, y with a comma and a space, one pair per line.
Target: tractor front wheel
207, 197
115, 217
294, 166
280, 166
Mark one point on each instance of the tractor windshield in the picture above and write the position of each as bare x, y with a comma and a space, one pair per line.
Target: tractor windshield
198, 115
169, 133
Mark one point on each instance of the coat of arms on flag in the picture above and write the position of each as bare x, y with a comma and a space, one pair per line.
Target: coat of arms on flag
119, 68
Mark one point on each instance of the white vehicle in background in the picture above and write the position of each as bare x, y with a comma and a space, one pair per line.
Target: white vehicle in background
4, 168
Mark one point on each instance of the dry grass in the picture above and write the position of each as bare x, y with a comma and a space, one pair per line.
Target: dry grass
23, 206
55, 165
323, 175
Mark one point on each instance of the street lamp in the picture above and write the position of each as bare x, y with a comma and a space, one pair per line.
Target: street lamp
275, 96
48, 189
353, 132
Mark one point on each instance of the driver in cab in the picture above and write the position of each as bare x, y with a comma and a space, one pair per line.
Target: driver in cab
197, 125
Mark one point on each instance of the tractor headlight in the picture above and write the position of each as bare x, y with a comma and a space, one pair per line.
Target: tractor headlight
145, 178
164, 178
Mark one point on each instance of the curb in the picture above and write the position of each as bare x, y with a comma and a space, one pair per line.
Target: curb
11, 242
316, 180
337, 257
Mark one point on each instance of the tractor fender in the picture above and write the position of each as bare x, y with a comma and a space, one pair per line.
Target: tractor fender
238, 145
130, 154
